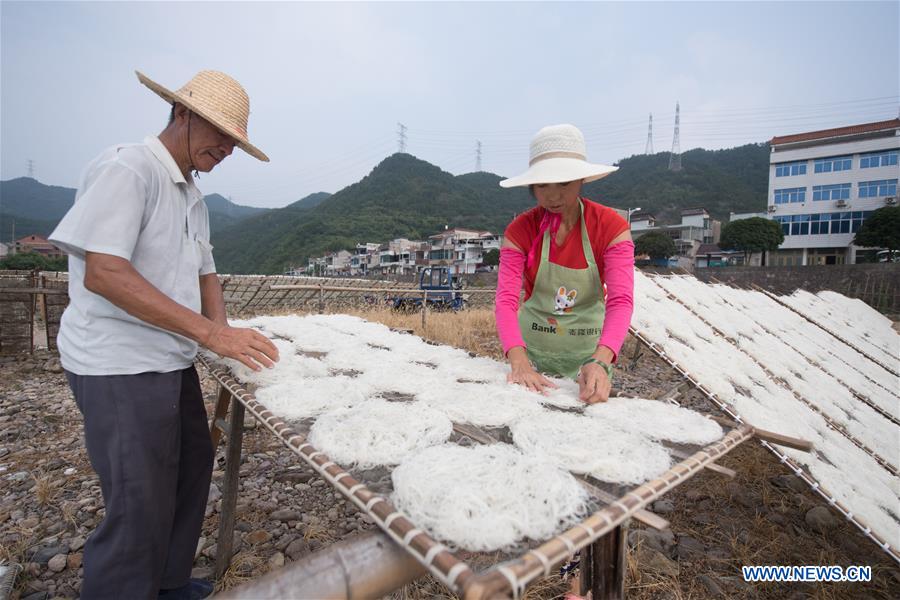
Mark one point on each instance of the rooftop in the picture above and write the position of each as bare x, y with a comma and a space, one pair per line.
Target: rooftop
836, 132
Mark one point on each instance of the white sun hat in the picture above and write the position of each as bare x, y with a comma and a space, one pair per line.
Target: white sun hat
219, 99
558, 154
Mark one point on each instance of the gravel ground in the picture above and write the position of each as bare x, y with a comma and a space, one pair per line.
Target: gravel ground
50, 501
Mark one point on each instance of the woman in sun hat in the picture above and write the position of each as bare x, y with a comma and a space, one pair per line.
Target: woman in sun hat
575, 258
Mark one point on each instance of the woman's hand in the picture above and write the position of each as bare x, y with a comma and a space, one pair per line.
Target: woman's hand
522, 373
593, 384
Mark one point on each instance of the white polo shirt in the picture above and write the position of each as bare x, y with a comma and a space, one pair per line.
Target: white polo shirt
132, 202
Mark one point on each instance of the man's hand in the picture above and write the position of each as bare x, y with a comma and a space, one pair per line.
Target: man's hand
522, 373
593, 384
246, 345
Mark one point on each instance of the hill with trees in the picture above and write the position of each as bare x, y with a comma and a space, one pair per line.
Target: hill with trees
402, 197
721, 181
407, 197
36, 208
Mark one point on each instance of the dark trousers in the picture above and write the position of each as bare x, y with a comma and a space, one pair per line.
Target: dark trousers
148, 440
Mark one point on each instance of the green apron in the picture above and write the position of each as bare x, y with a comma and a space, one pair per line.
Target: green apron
562, 319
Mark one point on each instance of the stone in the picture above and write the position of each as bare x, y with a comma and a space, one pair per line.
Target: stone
820, 519
657, 562
29, 523
689, 547
297, 548
36, 596
661, 541
260, 536
57, 563
285, 514
777, 518
202, 573
214, 493
276, 561
200, 543
789, 482
283, 541
44, 555
53, 366
294, 476
243, 527
712, 586
663, 506
74, 561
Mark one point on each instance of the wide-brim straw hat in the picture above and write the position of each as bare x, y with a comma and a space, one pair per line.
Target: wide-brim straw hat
558, 154
219, 99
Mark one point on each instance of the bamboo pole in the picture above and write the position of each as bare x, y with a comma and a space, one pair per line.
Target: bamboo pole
369, 565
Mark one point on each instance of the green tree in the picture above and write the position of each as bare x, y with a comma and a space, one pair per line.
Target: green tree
655, 244
32, 261
751, 235
881, 230
491, 258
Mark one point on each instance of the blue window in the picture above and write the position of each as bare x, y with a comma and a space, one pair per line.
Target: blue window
840, 191
823, 223
833, 163
878, 159
878, 189
792, 168
787, 195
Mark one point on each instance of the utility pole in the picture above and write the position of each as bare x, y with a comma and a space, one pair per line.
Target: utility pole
648, 149
30, 168
401, 137
675, 158
478, 168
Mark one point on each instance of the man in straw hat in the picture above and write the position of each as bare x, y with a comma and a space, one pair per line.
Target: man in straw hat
143, 295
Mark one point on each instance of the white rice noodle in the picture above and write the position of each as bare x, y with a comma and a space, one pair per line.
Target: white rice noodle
486, 498
824, 390
853, 476
583, 444
378, 432
656, 420
481, 405
853, 319
304, 398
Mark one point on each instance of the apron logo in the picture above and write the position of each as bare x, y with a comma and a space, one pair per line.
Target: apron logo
564, 301
555, 327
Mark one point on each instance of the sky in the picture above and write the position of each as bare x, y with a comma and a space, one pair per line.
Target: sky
329, 83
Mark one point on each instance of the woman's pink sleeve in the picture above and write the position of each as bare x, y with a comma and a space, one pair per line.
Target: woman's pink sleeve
618, 273
506, 304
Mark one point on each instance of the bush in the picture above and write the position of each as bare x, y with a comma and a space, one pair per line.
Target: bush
32, 261
655, 244
751, 235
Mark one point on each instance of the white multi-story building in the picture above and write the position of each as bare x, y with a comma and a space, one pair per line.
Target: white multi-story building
824, 184
462, 249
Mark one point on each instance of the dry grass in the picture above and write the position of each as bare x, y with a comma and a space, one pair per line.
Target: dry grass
471, 329
44, 489
244, 567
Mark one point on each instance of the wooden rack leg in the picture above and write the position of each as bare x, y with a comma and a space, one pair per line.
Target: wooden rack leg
216, 425
606, 563
229, 494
